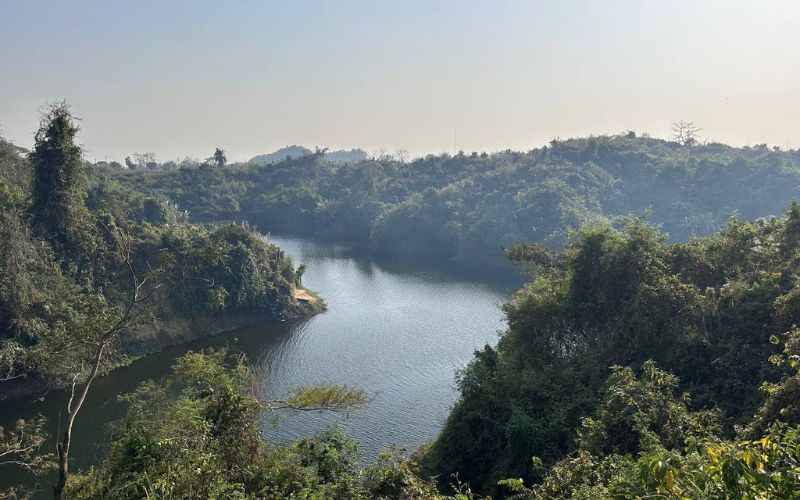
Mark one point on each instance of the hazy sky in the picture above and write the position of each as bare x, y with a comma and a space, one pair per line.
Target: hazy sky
179, 78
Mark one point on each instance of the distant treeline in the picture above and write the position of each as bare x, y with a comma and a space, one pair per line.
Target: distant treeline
149, 161
474, 204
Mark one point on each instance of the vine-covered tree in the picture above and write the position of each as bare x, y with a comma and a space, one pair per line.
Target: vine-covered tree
59, 181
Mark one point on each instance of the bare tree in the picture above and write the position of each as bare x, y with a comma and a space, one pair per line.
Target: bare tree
402, 155
380, 154
685, 133
97, 344
189, 163
146, 160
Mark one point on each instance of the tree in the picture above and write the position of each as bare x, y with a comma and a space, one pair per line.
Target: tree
21, 446
219, 157
685, 133
189, 163
198, 435
89, 348
402, 155
644, 441
146, 160
380, 154
59, 182
298, 275
619, 297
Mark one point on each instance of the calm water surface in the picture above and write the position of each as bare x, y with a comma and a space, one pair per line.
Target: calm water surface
397, 327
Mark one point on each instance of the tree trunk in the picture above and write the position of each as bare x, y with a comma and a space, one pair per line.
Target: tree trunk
63, 464
63, 446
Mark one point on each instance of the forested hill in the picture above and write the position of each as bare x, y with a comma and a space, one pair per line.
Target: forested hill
575, 380
341, 156
113, 266
472, 204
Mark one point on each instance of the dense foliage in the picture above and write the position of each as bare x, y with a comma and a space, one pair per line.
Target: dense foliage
471, 205
61, 234
574, 383
197, 435
705, 310
86, 279
645, 442
59, 186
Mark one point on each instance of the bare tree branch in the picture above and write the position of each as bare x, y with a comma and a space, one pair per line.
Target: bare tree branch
685, 133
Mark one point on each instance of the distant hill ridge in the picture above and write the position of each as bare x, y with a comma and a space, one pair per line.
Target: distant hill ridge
470, 205
295, 151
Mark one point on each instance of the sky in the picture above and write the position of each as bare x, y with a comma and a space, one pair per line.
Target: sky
180, 78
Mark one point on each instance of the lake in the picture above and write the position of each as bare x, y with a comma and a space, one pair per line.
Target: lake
398, 327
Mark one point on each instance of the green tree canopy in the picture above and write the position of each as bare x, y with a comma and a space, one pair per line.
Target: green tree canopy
59, 181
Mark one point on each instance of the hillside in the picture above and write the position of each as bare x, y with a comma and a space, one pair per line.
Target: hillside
340, 156
69, 258
471, 205
709, 311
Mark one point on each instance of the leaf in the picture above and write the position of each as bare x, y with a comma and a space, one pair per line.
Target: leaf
670, 480
515, 485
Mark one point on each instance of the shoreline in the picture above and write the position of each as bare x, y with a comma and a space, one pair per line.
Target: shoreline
495, 259
171, 332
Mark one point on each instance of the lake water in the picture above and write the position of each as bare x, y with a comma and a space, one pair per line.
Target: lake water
397, 327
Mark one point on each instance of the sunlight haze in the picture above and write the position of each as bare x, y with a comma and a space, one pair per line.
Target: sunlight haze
179, 78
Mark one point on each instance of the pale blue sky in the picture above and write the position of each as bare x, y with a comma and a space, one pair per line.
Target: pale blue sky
179, 78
